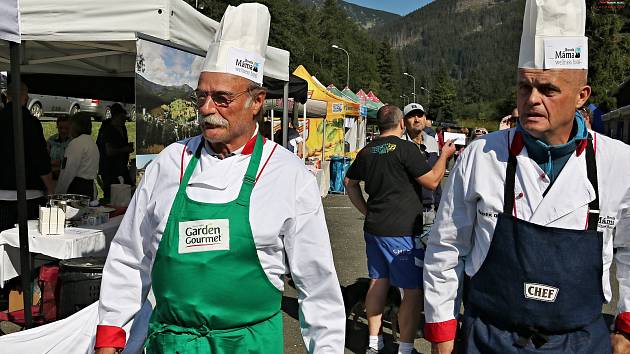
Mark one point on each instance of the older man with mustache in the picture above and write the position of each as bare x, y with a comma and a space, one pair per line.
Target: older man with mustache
210, 225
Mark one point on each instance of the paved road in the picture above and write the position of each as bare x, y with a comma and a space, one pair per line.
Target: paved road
345, 227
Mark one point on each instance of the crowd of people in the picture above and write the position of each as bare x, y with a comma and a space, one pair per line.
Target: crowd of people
69, 162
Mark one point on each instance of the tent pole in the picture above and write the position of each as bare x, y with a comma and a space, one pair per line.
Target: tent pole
303, 135
324, 139
344, 147
272, 125
20, 180
285, 116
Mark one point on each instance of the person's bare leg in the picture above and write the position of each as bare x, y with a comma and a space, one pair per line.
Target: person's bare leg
375, 303
409, 314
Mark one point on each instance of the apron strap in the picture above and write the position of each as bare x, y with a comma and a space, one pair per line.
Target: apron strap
250, 176
510, 176
508, 192
591, 172
191, 167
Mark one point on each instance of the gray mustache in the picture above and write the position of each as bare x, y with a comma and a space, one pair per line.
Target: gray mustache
214, 120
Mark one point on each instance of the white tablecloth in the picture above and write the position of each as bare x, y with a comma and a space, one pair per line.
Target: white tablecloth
74, 335
76, 242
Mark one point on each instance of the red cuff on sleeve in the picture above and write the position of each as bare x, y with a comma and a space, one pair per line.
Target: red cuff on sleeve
110, 337
440, 331
622, 323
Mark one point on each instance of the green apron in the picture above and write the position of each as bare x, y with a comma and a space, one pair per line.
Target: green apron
212, 295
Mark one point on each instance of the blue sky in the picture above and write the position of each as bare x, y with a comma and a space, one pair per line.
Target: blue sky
401, 7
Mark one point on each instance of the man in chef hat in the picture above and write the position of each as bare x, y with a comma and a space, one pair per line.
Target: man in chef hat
531, 215
212, 220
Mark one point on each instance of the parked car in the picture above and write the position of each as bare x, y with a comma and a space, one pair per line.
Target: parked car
45, 105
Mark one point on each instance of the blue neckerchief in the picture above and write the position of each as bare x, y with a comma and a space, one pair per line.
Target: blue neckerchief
552, 158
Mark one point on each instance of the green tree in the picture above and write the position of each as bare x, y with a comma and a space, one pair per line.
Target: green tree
609, 48
386, 72
443, 98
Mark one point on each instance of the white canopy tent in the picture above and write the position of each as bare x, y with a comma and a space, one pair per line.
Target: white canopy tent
9, 21
67, 46
98, 38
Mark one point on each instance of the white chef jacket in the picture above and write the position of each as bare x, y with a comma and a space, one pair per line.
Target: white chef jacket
79, 160
286, 216
473, 196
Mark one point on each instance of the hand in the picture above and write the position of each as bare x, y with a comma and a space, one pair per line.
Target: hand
620, 343
449, 148
447, 347
107, 351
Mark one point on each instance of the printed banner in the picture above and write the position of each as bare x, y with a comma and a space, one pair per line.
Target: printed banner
165, 113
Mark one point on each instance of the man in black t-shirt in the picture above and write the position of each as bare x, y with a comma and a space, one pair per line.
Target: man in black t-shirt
394, 171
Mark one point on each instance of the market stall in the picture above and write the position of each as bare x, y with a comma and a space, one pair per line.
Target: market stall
326, 134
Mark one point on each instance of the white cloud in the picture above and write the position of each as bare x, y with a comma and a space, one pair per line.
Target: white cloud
184, 67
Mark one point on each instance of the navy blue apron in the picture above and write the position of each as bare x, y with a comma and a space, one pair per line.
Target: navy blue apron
539, 289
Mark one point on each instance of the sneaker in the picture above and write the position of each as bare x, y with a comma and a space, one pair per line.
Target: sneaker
7, 327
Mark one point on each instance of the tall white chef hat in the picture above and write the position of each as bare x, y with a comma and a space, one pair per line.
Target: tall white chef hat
240, 44
553, 35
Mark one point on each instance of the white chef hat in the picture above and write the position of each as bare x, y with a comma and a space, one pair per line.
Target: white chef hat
553, 35
240, 44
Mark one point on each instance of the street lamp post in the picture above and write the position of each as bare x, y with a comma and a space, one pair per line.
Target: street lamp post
428, 93
404, 97
348, 55
414, 84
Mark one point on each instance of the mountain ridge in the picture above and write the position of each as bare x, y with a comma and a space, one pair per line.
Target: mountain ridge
477, 51
366, 17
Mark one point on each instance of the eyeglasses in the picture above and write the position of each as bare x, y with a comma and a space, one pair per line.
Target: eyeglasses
220, 99
481, 132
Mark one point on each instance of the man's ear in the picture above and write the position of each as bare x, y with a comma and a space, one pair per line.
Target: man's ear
583, 95
258, 101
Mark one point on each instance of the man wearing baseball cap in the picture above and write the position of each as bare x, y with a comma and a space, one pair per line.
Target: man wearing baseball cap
415, 124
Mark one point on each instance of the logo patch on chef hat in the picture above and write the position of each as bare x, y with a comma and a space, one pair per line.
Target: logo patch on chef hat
245, 63
541, 292
566, 53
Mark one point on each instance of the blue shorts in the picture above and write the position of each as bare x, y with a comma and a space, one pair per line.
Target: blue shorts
398, 259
